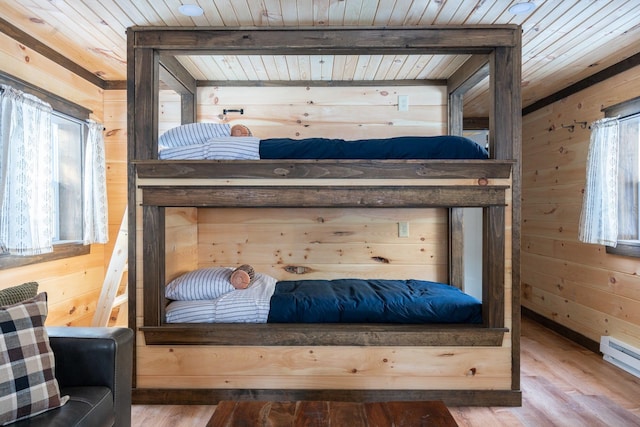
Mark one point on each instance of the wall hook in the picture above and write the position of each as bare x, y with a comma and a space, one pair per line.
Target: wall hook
570, 127
583, 125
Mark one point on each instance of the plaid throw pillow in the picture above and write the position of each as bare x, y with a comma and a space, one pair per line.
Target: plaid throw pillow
19, 293
27, 381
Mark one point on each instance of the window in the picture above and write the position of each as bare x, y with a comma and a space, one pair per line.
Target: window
68, 144
628, 177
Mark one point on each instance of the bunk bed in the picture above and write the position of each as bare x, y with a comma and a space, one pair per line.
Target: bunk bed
492, 184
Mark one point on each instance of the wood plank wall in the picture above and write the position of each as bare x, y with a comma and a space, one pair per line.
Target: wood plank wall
317, 243
577, 285
73, 285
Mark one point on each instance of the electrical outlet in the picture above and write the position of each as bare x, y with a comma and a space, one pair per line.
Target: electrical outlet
403, 102
403, 229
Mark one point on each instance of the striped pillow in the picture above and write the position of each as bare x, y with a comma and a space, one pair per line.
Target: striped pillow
249, 305
192, 133
27, 366
204, 283
233, 148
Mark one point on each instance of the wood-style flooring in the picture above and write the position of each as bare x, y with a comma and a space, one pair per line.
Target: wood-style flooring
563, 384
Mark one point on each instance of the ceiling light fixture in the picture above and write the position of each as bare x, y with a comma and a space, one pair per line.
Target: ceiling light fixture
190, 10
522, 7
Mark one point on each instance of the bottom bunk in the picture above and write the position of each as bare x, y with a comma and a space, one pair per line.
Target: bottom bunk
323, 231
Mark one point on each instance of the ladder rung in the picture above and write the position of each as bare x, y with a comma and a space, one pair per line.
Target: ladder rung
120, 299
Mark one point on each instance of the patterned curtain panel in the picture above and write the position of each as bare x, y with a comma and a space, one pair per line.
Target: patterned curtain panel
26, 194
96, 219
599, 217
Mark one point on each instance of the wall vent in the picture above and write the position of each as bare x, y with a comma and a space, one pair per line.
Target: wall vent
621, 354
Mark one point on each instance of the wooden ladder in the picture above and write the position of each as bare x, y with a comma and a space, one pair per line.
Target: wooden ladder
118, 266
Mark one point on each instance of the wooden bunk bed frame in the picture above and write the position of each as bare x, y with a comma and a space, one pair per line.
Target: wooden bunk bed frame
493, 184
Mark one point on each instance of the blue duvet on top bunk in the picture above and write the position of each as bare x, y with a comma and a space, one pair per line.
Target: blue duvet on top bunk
402, 147
371, 301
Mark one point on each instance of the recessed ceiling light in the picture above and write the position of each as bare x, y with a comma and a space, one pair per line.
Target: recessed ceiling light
523, 7
190, 10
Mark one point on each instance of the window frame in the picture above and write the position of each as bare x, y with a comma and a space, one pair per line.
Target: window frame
631, 107
61, 105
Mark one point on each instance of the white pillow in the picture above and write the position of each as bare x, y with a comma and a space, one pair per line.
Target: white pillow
233, 148
192, 133
249, 305
203, 283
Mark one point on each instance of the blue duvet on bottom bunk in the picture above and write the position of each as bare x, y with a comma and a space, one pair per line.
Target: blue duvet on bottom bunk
371, 301
206, 296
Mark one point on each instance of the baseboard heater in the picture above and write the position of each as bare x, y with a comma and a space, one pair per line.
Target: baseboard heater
621, 354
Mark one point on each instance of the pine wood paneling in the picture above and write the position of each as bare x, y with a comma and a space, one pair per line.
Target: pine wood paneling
72, 284
577, 285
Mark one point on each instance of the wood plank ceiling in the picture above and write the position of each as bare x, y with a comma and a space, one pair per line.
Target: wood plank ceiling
563, 41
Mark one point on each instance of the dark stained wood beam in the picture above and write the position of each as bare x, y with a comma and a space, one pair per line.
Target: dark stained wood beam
20, 36
344, 41
324, 196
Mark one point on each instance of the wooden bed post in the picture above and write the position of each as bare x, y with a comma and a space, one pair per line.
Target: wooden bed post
506, 143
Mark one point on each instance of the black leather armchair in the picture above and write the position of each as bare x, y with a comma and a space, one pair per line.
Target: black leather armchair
93, 367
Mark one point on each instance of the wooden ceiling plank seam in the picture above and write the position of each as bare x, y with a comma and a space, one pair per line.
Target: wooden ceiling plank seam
384, 13
209, 63
327, 67
172, 8
337, 73
596, 24
188, 64
430, 13
414, 13
52, 33
271, 14
109, 27
248, 68
243, 15
132, 12
290, 12
231, 66
282, 67
409, 67
336, 13
450, 10
223, 7
352, 12
373, 66
368, 13
397, 61
553, 32
304, 12
163, 14
259, 67
384, 66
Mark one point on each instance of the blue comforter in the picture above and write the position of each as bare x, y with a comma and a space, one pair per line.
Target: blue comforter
402, 147
371, 301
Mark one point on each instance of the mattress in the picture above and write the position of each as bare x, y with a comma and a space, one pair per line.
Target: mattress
199, 142
330, 301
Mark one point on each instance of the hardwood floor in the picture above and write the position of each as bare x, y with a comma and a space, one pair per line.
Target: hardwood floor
563, 384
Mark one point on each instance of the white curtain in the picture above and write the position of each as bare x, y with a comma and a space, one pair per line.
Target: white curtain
599, 217
96, 219
26, 192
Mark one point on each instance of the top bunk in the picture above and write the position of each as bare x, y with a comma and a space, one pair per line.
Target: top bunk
491, 50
